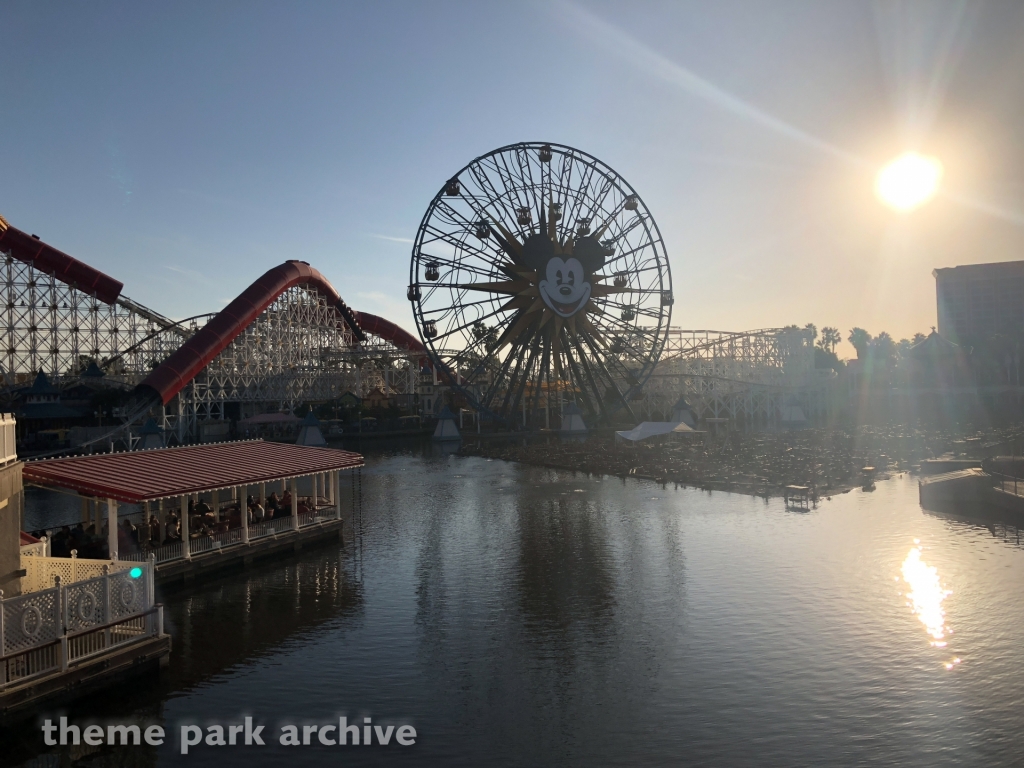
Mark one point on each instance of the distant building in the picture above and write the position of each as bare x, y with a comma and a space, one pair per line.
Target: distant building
976, 301
375, 398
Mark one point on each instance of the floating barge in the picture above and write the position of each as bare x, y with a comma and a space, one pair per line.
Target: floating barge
216, 477
976, 488
81, 623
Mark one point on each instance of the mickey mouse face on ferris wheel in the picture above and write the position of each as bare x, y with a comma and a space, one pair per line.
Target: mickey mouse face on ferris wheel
566, 284
566, 289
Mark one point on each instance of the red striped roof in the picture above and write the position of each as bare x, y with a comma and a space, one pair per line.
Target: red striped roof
138, 476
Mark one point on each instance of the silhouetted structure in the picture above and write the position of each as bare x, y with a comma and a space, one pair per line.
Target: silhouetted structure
976, 301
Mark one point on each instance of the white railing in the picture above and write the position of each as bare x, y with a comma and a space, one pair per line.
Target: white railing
228, 539
215, 541
39, 549
45, 632
42, 572
270, 528
8, 439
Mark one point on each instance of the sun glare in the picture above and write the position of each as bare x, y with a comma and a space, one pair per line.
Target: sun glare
909, 181
926, 595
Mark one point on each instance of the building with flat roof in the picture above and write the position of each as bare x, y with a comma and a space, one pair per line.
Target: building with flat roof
977, 301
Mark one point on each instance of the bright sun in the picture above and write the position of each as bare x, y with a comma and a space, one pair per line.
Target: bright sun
909, 181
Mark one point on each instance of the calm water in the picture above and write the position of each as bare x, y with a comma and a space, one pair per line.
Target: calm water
521, 616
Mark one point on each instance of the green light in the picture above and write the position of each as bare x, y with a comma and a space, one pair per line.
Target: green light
135, 572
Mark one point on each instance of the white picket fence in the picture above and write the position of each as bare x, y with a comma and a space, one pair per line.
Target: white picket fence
46, 631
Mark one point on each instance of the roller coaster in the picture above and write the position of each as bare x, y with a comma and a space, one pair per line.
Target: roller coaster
289, 338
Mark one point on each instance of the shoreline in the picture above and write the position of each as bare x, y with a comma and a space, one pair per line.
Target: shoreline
825, 462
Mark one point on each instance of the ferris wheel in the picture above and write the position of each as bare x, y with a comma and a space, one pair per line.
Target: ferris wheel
539, 278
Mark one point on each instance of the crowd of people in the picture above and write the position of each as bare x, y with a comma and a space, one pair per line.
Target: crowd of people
203, 521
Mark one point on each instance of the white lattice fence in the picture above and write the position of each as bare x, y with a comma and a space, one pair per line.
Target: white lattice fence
35, 550
42, 572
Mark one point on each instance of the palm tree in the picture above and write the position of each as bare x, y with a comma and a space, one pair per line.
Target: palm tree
861, 340
884, 348
814, 331
829, 338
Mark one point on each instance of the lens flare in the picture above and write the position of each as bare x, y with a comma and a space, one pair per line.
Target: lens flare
909, 181
926, 595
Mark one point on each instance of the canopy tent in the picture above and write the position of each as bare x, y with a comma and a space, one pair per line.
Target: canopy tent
647, 429
446, 428
572, 419
150, 437
310, 434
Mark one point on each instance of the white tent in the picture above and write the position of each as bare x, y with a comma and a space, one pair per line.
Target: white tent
572, 419
682, 411
310, 433
447, 429
793, 416
647, 429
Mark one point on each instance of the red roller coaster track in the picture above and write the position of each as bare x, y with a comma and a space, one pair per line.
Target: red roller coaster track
31, 250
171, 376
187, 361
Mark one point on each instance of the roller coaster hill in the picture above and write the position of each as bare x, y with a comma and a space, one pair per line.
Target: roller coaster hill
74, 342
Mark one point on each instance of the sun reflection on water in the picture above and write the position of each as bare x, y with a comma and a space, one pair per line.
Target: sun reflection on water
926, 595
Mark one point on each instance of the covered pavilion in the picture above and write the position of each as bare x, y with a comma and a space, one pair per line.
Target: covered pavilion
142, 477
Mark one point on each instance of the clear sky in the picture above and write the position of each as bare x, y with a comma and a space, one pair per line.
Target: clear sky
185, 148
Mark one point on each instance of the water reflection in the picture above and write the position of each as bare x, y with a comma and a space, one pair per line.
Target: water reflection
926, 594
564, 581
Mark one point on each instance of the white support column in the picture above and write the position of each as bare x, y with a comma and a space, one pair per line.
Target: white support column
263, 496
185, 548
295, 503
112, 528
336, 490
161, 513
216, 505
243, 510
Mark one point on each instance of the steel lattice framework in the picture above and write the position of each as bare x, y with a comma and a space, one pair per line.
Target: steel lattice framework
298, 350
56, 328
747, 376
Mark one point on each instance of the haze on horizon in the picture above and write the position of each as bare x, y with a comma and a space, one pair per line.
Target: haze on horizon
185, 149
